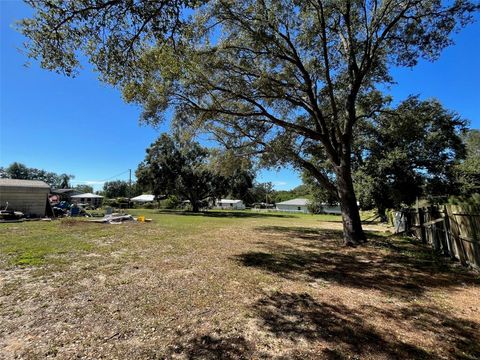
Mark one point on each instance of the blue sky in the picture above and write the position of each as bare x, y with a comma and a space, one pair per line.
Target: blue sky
82, 127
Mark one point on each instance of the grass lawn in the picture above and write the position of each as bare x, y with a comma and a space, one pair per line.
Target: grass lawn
229, 285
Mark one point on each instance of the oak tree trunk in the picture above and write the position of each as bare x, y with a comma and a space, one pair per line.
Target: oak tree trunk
195, 206
352, 226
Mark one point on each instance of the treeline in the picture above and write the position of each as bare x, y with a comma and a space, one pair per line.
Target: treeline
20, 171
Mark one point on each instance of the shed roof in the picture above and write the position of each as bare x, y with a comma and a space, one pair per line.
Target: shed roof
87, 195
24, 183
229, 201
144, 198
295, 202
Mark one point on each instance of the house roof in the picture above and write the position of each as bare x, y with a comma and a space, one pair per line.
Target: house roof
24, 183
144, 198
229, 201
295, 202
63, 191
87, 195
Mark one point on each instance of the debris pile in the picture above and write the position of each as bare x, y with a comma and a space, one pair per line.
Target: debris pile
117, 218
11, 216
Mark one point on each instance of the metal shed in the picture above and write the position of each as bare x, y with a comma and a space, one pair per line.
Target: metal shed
27, 196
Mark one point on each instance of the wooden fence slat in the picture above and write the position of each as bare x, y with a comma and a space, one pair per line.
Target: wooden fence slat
452, 230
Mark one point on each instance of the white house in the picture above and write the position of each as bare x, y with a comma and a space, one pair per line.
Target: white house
143, 198
227, 204
88, 198
294, 205
301, 205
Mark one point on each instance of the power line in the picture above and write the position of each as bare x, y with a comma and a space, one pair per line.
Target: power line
115, 176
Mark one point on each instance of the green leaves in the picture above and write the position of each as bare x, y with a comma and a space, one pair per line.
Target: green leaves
191, 172
409, 151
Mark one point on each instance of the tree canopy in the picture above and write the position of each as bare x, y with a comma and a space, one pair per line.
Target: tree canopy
20, 171
116, 189
407, 152
190, 172
84, 188
468, 171
287, 78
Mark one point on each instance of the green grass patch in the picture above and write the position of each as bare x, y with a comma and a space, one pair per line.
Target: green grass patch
32, 244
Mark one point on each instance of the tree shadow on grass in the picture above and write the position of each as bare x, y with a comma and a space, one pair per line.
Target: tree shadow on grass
298, 316
225, 214
396, 267
459, 336
213, 347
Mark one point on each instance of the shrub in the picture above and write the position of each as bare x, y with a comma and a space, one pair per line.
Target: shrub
471, 202
171, 202
148, 205
315, 207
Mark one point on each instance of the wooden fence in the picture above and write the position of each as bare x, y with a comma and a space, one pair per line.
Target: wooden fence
451, 230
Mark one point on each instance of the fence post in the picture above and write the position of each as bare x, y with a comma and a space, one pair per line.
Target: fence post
421, 221
456, 236
475, 239
446, 229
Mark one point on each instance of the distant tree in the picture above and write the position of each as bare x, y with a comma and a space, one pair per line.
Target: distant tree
183, 169
468, 171
137, 189
65, 181
116, 189
260, 193
20, 171
407, 152
84, 189
301, 191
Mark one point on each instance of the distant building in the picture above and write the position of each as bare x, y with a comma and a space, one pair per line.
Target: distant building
294, 205
143, 198
27, 196
263, 205
227, 204
301, 206
89, 199
331, 209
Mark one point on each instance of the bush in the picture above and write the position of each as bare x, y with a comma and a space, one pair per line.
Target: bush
171, 202
471, 202
110, 202
315, 207
148, 205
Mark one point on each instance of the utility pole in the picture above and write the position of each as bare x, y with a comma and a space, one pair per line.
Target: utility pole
129, 186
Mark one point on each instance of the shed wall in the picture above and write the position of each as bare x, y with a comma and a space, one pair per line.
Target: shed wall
30, 201
293, 208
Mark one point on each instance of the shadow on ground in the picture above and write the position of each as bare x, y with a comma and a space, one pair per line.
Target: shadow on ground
298, 316
227, 214
334, 331
212, 347
397, 267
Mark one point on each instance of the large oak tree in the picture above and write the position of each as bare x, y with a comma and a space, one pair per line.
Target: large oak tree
289, 78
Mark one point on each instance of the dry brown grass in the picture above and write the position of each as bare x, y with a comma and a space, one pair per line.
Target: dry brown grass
214, 287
